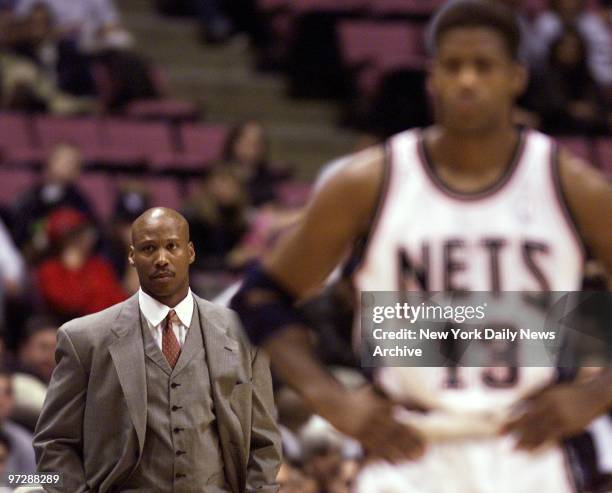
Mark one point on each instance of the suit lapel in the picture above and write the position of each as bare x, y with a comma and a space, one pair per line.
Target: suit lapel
223, 360
127, 352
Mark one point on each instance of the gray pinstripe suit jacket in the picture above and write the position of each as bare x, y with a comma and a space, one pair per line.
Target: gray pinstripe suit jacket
93, 422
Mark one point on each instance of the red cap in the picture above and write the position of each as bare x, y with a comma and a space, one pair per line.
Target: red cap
63, 221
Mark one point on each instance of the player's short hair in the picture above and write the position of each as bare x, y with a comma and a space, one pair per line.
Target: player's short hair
477, 13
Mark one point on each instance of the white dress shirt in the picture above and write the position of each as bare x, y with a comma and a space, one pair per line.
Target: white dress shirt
155, 314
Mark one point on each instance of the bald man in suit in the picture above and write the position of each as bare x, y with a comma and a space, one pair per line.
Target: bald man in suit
160, 393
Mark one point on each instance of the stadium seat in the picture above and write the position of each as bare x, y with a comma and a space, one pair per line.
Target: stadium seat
163, 109
164, 192
205, 140
85, 133
404, 8
14, 182
100, 189
129, 143
380, 48
305, 6
200, 146
16, 145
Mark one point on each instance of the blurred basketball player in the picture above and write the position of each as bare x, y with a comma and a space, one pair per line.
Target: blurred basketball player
483, 206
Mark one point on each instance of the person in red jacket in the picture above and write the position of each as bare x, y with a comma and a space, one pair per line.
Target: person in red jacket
76, 281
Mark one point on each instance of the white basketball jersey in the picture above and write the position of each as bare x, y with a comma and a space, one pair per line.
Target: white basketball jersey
514, 236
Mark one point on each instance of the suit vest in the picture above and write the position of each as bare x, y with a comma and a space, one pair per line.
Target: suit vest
181, 449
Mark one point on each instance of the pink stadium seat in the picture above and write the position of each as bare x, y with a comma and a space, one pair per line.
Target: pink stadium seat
382, 47
16, 146
100, 189
603, 149
366, 41
164, 192
305, 6
14, 131
14, 182
404, 7
205, 140
578, 146
52, 130
163, 109
130, 142
82, 132
201, 146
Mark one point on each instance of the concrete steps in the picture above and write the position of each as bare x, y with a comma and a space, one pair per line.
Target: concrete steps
301, 132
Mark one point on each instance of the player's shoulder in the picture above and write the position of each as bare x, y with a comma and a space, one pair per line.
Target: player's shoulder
354, 170
348, 188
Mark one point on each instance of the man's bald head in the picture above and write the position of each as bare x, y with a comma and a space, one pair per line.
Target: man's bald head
161, 252
155, 216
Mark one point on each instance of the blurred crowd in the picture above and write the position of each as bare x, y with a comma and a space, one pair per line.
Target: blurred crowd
60, 260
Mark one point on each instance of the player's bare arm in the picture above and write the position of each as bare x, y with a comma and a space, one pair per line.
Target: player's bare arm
340, 211
564, 410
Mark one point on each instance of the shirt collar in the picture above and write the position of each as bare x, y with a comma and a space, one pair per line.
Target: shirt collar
155, 312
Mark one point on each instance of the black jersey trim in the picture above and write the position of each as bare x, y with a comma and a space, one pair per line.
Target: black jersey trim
362, 245
561, 196
486, 192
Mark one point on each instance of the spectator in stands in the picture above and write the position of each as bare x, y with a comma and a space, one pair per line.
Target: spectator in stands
323, 456
216, 27
292, 480
566, 97
35, 364
131, 202
247, 149
28, 79
75, 281
12, 270
5, 450
81, 28
88, 23
550, 24
217, 215
58, 188
37, 350
267, 224
21, 457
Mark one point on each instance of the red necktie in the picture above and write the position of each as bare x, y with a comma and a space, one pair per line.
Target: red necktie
170, 344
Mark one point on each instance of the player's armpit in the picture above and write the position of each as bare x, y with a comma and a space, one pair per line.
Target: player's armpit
589, 198
339, 212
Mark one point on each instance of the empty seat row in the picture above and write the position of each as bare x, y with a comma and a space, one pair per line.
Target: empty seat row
111, 141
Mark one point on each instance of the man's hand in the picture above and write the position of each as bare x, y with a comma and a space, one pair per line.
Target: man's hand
368, 417
554, 414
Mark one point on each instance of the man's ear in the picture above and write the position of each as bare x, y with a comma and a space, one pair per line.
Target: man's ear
191, 252
131, 256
